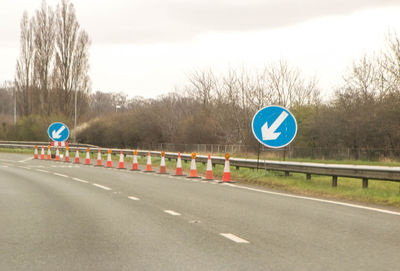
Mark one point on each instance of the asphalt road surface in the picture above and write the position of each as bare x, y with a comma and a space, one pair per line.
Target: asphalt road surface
60, 216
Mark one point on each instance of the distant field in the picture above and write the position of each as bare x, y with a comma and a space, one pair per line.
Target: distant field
378, 192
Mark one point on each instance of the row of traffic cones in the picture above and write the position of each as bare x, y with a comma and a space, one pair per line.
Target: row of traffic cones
135, 167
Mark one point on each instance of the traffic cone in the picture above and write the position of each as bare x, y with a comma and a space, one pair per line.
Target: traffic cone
179, 171
57, 155
66, 158
99, 163
77, 159
226, 178
48, 153
149, 167
121, 161
209, 172
163, 167
135, 165
109, 161
87, 159
42, 153
193, 170
35, 154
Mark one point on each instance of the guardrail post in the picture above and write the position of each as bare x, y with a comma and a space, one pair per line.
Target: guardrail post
308, 176
237, 168
334, 181
287, 173
365, 182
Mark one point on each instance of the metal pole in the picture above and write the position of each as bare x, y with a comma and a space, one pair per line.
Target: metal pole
15, 106
258, 156
76, 105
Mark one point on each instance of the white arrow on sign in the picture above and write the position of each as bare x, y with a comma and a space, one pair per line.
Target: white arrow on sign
57, 135
269, 133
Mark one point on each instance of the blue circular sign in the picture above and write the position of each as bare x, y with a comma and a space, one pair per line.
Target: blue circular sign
274, 126
58, 132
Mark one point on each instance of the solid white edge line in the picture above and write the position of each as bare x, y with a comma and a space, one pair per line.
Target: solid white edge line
61, 175
102, 187
171, 212
317, 200
133, 198
80, 180
234, 238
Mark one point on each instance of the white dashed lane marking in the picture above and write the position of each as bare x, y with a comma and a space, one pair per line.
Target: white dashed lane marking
42, 170
133, 198
101, 186
234, 238
61, 175
171, 212
80, 180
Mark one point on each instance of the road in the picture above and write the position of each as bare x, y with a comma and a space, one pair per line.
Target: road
59, 216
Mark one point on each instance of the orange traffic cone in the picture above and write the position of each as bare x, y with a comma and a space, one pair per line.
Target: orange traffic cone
227, 170
66, 158
121, 161
42, 153
109, 161
87, 159
163, 167
77, 159
48, 153
99, 163
135, 165
57, 155
35, 154
179, 171
193, 170
149, 167
209, 172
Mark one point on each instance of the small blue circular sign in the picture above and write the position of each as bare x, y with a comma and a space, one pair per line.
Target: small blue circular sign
274, 126
58, 132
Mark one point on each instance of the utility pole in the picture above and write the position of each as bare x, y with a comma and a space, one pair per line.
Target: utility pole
15, 105
76, 105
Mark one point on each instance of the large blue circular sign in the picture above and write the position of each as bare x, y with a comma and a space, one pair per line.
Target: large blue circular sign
274, 126
58, 131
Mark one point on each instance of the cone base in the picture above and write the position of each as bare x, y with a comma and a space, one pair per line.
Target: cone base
98, 165
193, 177
134, 169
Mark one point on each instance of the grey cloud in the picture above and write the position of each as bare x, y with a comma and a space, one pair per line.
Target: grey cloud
159, 21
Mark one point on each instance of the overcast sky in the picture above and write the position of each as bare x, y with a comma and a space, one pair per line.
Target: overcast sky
147, 47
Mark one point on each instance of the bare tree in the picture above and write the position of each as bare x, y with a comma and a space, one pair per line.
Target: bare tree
288, 87
44, 34
71, 63
24, 70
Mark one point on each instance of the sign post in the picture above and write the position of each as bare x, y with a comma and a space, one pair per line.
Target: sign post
58, 132
274, 126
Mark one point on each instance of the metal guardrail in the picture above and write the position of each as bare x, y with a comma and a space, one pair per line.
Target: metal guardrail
335, 170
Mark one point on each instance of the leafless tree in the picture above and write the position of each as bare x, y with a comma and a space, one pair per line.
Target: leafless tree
71, 63
24, 70
44, 35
